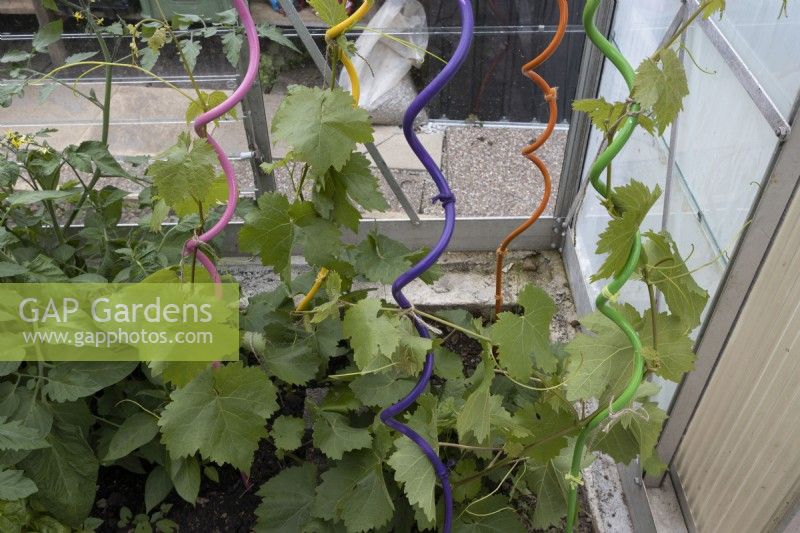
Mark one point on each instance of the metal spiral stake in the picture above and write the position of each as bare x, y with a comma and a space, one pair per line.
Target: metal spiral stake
550, 97
331, 35
200, 124
610, 291
447, 200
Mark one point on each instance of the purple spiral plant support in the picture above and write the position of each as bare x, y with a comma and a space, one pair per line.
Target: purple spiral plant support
202, 122
447, 199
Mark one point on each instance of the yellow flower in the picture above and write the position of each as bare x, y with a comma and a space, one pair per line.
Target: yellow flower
78, 15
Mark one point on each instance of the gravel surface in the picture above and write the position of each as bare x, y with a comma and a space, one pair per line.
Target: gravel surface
489, 175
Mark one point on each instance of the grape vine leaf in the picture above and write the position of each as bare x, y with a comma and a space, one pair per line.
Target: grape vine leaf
321, 126
353, 491
287, 432
332, 12
332, 201
286, 500
15, 436
604, 115
601, 361
667, 270
480, 410
380, 390
542, 421
661, 85
633, 432
607, 116
362, 185
65, 473
69, 381
381, 259
547, 482
221, 414
521, 340
15, 486
412, 469
186, 171
94, 155
492, 514
268, 231
334, 435
673, 355
371, 335
635, 200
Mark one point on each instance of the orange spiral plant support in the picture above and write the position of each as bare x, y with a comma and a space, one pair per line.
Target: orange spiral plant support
550, 97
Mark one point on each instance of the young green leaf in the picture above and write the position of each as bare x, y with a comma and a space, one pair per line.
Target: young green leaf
667, 270
525, 339
542, 422
380, 390
221, 414
673, 354
633, 433
269, 232
371, 335
480, 410
412, 469
332, 12
321, 126
714, 6
635, 200
602, 361
334, 435
354, 492
661, 85
548, 483
362, 185
287, 432
286, 500
604, 115
186, 171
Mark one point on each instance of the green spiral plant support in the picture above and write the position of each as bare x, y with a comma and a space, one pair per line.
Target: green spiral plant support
609, 292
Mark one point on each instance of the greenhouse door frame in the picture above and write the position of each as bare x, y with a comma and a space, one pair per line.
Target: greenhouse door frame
778, 188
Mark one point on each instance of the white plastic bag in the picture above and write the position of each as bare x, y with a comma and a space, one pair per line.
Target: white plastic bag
388, 61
